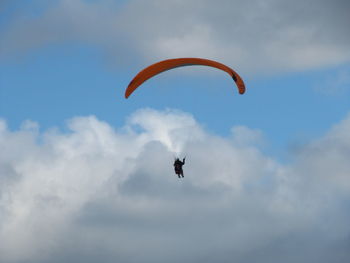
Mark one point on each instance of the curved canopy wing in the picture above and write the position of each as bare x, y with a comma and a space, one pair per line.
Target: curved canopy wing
168, 64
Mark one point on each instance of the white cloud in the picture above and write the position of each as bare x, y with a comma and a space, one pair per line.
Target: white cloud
326, 158
253, 36
99, 194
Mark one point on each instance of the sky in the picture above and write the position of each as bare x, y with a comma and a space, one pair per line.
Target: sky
86, 175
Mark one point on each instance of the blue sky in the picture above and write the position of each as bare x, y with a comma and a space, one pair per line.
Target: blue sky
58, 82
74, 77
64, 67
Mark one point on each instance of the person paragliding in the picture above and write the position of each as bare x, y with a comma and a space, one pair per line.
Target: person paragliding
169, 64
178, 167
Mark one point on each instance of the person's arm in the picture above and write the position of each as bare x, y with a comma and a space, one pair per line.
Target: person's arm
183, 160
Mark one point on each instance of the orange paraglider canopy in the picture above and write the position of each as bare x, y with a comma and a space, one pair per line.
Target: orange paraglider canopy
164, 65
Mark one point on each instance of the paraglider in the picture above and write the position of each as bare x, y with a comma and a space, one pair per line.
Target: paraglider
178, 167
168, 64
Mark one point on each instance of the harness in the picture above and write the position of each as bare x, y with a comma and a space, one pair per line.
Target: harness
178, 168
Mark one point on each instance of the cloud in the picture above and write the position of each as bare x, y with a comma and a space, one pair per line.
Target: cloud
95, 193
255, 36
